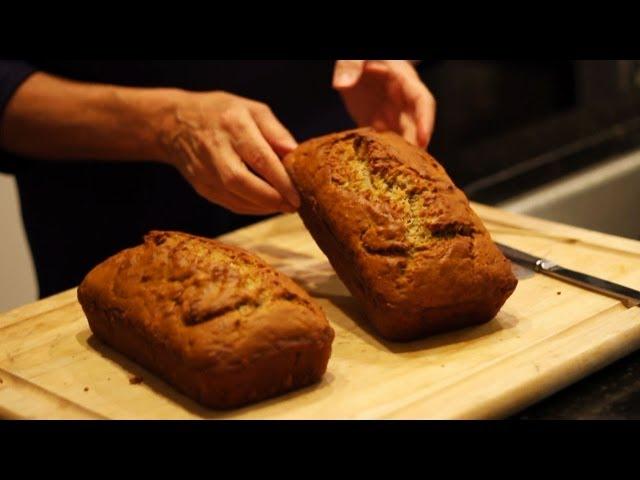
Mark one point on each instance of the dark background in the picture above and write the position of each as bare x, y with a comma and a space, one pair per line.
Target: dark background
549, 118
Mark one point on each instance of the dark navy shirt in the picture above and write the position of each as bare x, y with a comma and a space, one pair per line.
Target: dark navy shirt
76, 214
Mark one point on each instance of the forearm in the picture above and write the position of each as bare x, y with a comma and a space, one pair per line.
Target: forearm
53, 118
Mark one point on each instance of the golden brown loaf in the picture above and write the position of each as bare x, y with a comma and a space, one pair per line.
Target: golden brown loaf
213, 320
398, 233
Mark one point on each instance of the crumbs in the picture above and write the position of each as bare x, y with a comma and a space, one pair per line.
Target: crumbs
86, 389
558, 293
135, 380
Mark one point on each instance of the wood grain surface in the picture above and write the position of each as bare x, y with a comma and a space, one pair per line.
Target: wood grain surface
548, 335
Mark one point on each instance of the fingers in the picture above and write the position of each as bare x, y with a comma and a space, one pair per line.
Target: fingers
250, 144
199, 166
408, 129
425, 116
231, 201
347, 73
225, 149
421, 106
235, 177
390, 119
392, 96
273, 131
238, 179
418, 100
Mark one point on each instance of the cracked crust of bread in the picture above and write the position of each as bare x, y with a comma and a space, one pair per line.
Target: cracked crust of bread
214, 320
400, 235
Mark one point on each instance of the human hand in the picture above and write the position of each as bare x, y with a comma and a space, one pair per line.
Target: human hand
228, 148
387, 95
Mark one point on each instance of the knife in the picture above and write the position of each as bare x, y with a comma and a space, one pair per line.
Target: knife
628, 296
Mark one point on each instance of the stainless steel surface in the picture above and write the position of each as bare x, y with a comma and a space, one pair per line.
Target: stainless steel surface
628, 296
603, 197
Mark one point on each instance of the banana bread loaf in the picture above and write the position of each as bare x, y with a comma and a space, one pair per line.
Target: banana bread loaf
398, 233
213, 320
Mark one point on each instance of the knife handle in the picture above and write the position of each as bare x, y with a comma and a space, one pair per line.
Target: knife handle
628, 297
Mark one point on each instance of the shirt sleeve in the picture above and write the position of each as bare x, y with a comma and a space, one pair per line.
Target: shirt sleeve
12, 74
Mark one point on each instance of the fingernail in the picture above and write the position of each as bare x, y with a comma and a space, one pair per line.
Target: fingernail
289, 143
293, 200
288, 208
424, 140
344, 79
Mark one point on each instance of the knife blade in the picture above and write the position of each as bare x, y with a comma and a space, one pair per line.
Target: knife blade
628, 296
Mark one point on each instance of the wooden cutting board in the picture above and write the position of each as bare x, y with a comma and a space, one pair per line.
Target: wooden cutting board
548, 335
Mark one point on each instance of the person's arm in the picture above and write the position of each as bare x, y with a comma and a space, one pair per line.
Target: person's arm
226, 146
53, 118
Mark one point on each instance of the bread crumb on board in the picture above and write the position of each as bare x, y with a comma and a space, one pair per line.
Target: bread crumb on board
135, 380
86, 389
1, 381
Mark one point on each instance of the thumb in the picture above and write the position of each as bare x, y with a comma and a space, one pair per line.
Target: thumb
347, 73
